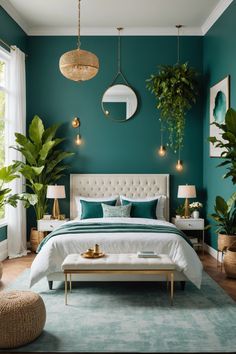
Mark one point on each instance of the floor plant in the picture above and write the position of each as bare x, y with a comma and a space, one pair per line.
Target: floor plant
44, 160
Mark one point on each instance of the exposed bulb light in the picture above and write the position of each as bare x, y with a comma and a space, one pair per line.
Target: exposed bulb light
179, 166
107, 113
75, 122
78, 140
162, 151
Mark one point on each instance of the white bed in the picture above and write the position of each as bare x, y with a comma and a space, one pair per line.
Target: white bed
48, 261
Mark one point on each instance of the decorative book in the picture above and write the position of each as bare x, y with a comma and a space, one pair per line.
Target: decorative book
147, 254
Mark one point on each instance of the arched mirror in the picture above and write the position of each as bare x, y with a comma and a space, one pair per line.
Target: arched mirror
119, 102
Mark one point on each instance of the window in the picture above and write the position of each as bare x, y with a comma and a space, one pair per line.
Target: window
4, 82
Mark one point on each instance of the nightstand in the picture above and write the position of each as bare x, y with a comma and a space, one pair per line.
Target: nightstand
49, 225
195, 225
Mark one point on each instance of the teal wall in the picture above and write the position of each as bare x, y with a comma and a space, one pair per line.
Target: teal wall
110, 147
219, 48
11, 33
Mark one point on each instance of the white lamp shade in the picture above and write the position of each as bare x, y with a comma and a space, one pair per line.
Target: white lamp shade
186, 191
56, 192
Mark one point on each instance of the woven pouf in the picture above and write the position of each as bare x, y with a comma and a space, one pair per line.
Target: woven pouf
22, 318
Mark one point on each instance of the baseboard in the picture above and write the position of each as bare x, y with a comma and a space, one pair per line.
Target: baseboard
211, 251
3, 250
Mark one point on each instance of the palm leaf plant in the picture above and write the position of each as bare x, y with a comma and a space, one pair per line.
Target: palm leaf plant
225, 215
227, 143
175, 89
43, 164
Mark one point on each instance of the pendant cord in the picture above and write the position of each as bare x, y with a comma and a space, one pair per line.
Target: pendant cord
79, 43
178, 43
119, 50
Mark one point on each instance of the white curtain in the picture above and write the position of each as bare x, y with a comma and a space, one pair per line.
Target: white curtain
16, 217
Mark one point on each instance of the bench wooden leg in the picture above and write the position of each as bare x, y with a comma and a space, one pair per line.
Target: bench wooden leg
65, 288
171, 288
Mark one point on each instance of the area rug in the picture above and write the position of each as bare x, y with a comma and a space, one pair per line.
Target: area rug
134, 317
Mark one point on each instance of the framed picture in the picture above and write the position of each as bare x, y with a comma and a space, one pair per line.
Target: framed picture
219, 104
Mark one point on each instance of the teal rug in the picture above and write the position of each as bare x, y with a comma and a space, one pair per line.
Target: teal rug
134, 317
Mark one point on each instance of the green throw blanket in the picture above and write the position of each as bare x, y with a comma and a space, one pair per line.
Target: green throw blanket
77, 228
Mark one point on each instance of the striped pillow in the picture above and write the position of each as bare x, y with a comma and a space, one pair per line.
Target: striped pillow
121, 211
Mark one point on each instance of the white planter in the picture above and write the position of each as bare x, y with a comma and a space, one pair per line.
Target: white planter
195, 214
178, 217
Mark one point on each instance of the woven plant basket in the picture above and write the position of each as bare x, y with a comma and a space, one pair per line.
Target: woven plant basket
225, 241
230, 262
35, 238
1, 267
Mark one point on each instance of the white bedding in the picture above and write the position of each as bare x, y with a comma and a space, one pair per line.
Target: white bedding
52, 254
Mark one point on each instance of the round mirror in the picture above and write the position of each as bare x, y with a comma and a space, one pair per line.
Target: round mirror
119, 103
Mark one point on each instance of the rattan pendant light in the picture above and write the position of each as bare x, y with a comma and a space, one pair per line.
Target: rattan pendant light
78, 64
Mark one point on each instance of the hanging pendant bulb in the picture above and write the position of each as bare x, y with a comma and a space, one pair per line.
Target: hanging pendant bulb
179, 166
78, 64
162, 151
78, 140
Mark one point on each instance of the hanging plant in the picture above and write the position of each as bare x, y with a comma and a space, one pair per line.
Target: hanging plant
175, 88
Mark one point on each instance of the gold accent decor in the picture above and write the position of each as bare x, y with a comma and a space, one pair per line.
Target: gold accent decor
92, 255
55, 209
75, 122
78, 64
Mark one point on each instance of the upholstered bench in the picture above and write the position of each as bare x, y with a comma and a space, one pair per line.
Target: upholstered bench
119, 264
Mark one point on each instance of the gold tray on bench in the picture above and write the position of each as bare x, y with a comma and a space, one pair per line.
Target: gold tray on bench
91, 256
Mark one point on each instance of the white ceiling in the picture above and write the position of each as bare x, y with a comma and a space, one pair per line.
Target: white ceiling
101, 17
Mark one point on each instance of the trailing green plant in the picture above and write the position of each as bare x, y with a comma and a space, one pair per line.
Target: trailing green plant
43, 164
227, 143
175, 89
225, 215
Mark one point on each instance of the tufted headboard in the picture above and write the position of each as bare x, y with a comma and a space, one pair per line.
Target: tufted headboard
130, 185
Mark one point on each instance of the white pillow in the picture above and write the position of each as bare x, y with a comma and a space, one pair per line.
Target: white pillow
90, 199
160, 204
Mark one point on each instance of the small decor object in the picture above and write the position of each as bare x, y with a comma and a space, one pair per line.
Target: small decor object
56, 192
194, 208
93, 252
119, 101
219, 104
79, 65
147, 254
23, 317
175, 88
47, 216
186, 191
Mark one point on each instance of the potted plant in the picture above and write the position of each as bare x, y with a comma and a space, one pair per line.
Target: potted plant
179, 211
175, 89
194, 209
225, 218
43, 164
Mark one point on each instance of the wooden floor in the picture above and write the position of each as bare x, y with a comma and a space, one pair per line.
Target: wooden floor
12, 268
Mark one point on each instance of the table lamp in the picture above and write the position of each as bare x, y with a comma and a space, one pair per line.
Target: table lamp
186, 192
56, 192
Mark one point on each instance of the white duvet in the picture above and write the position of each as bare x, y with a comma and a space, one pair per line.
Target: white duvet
52, 254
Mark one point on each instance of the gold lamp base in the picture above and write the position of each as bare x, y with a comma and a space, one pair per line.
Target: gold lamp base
55, 209
186, 209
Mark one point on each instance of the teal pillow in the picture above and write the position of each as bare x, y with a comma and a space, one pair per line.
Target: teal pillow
122, 211
93, 209
142, 209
